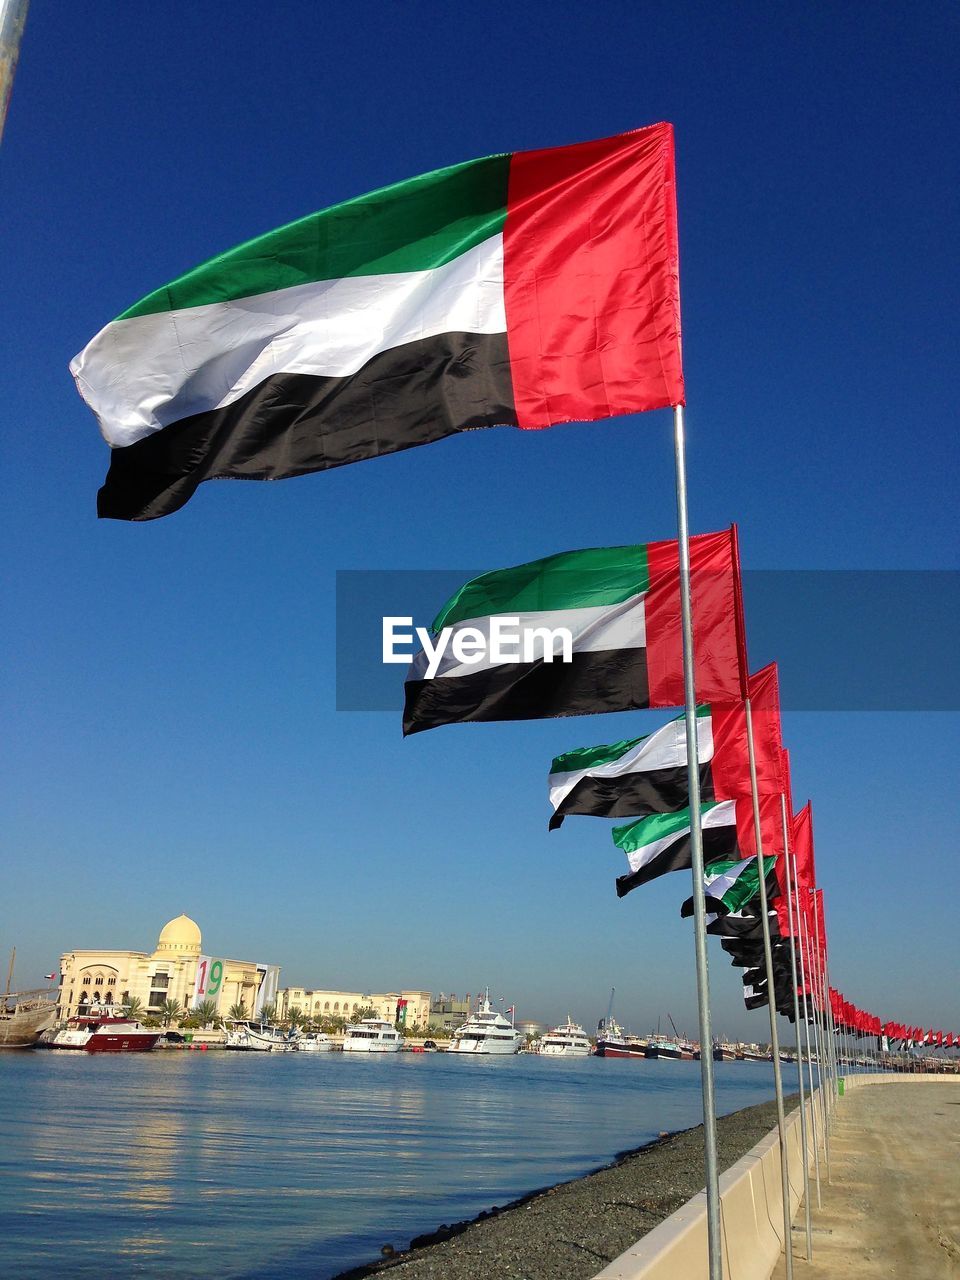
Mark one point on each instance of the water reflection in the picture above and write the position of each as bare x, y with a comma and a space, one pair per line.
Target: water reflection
231, 1165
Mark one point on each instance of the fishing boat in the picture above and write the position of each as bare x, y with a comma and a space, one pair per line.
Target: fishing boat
486, 1031
372, 1035
724, 1052
105, 1028
612, 1040
753, 1053
258, 1037
24, 1017
566, 1041
659, 1046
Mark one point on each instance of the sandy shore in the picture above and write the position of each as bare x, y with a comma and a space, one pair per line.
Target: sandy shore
574, 1229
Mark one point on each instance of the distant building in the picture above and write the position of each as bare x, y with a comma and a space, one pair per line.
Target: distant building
448, 1012
175, 970
320, 1004
529, 1027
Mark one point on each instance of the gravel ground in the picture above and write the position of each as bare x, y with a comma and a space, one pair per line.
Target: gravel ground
574, 1229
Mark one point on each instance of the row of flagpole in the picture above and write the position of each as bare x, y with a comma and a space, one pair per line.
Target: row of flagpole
812, 975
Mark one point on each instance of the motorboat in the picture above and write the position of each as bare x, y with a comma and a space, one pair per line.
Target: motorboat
566, 1041
372, 1035
313, 1042
486, 1031
724, 1052
103, 1028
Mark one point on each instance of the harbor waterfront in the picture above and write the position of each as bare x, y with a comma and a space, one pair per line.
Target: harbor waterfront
164, 1164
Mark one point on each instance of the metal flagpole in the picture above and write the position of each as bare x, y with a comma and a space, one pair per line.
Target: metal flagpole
822, 1075
807, 1018
825, 1048
771, 1001
13, 15
827, 1004
696, 858
796, 1022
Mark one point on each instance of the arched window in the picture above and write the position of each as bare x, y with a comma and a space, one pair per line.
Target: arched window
316, 1006
336, 1006
83, 997
98, 980
326, 1006
111, 980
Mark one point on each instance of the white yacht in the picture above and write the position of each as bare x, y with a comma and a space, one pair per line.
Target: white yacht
372, 1035
486, 1031
567, 1041
313, 1042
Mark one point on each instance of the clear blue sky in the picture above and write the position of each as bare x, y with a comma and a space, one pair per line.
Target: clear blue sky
170, 739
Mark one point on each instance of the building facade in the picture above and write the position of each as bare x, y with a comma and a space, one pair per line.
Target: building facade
322, 1004
169, 972
448, 1012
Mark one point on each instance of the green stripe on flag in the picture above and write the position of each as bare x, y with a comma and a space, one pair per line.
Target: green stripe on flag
584, 758
587, 579
416, 225
636, 835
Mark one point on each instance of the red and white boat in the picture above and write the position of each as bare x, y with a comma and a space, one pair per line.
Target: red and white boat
103, 1029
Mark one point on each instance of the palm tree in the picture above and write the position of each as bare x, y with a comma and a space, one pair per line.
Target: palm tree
365, 1011
268, 1013
205, 1012
238, 1012
295, 1016
133, 1006
169, 1010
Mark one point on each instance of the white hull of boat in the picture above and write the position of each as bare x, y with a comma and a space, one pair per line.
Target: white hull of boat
500, 1047
314, 1044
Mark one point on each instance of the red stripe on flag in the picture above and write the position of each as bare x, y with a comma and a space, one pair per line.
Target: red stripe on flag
591, 279
719, 661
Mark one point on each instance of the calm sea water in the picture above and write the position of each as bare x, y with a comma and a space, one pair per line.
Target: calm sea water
188, 1164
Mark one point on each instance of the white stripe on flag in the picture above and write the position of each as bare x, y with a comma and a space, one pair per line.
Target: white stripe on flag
594, 630
140, 375
665, 749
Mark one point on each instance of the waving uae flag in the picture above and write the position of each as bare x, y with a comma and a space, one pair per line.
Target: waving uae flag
521, 290
647, 775
728, 886
579, 633
634, 778
659, 844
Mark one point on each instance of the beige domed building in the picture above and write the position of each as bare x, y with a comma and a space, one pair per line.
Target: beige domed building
176, 970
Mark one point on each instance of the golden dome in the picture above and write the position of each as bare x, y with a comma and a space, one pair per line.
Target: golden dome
181, 935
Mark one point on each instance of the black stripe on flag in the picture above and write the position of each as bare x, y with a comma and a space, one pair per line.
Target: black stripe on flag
295, 423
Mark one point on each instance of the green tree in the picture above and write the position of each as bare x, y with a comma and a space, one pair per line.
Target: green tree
205, 1012
134, 1006
365, 1011
295, 1017
169, 1010
268, 1013
238, 1012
